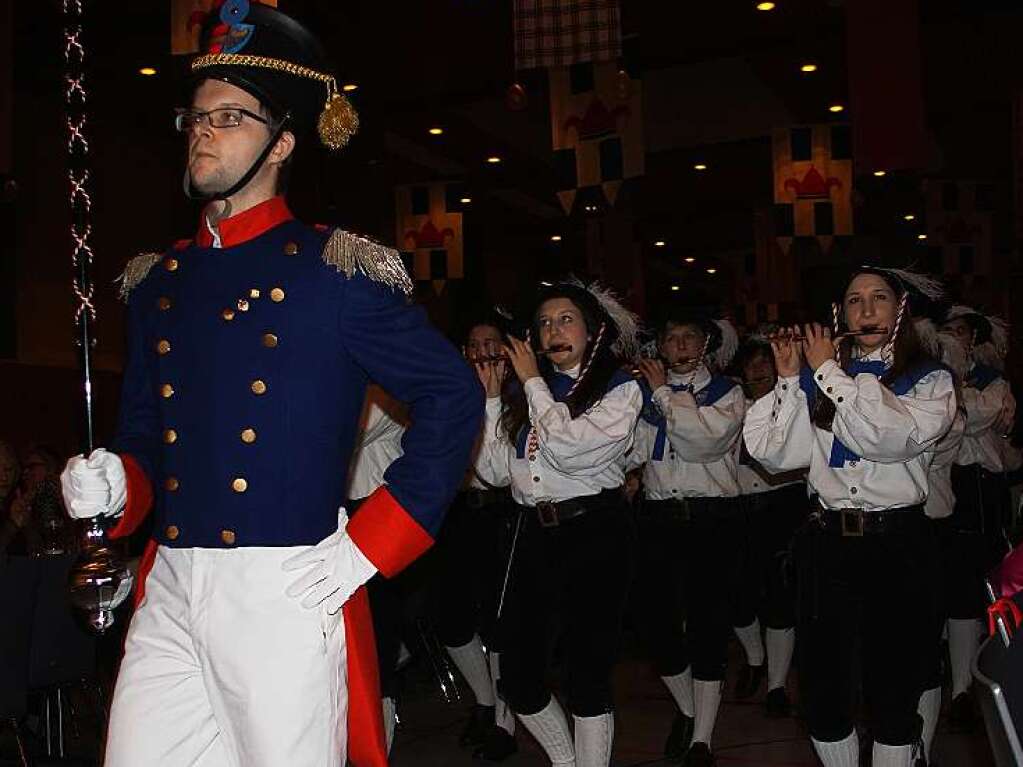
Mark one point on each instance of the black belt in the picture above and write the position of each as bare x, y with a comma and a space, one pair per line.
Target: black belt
855, 523
666, 508
479, 498
554, 513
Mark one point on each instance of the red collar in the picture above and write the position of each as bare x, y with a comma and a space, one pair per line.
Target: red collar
246, 225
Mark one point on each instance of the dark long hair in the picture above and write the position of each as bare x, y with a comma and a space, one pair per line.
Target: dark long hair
908, 353
599, 362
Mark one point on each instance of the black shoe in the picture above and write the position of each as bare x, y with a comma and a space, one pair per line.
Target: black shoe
749, 680
962, 717
478, 727
679, 737
498, 746
699, 755
777, 704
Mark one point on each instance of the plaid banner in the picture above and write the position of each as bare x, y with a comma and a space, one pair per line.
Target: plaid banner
559, 33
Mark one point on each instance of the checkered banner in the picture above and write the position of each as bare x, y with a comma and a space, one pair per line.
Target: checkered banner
559, 33
429, 233
187, 17
959, 226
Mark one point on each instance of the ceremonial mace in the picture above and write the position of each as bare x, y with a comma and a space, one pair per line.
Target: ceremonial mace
99, 580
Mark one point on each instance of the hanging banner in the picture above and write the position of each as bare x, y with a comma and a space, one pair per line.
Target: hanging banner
187, 17
959, 217
429, 233
812, 183
559, 33
596, 129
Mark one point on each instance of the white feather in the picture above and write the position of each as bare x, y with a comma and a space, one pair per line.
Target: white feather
953, 354
724, 354
627, 322
927, 332
924, 284
991, 353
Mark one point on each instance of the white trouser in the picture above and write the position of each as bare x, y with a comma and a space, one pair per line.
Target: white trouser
222, 668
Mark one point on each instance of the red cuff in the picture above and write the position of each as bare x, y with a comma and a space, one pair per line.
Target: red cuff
138, 502
387, 534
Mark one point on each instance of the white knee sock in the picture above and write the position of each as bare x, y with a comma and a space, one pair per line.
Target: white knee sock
929, 708
681, 688
390, 721
839, 753
471, 661
503, 715
963, 641
780, 644
594, 736
550, 728
752, 643
892, 756
707, 696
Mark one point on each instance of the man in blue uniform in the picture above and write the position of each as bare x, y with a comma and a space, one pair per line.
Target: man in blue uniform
250, 348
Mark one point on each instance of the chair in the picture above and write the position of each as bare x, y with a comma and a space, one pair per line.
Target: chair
19, 578
998, 671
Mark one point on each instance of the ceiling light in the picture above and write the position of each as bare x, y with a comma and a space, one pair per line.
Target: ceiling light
908, 217
836, 108
808, 68
765, 6
711, 271
494, 159
689, 259
465, 200
879, 173
699, 166
674, 287
921, 236
436, 131
555, 238
147, 71
349, 87
660, 244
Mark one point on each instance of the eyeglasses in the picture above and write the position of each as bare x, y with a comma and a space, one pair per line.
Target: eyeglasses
188, 120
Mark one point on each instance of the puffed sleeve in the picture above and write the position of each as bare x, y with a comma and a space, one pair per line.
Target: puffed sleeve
493, 459
702, 434
585, 445
777, 430
983, 407
881, 426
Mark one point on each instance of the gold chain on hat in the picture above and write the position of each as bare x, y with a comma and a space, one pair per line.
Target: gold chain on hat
338, 121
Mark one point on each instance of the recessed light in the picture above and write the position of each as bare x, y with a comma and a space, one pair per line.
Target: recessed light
765, 6
349, 87
674, 287
555, 238
147, 71
689, 259
494, 159
436, 131
465, 200
836, 108
880, 173
808, 67
711, 271
660, 244
908, 217
921, 236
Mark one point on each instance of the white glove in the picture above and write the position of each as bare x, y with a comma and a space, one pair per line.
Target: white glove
334, 567
94, 487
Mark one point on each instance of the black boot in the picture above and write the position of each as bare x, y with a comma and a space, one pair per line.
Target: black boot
777, 703
498, 746
679, 738
699, 755
749, 680
478, 727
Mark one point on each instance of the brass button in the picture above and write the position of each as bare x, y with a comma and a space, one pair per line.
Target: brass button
243, 305
248, 436
170, 436
239, 485
258, 387
291, 249
163, 346
172, 532
170, 264
171, 484
228, 537
164, 303
254, 293
277, 295
166, 391
227, 314
269, 340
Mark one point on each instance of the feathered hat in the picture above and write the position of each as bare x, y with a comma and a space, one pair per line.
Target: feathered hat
990, 335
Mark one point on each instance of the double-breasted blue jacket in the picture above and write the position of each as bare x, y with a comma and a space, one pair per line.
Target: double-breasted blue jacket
247, 366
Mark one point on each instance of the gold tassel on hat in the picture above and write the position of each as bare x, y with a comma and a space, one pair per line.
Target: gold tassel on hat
338, 121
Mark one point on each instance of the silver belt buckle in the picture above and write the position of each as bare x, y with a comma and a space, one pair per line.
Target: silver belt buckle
852, 523
547, 513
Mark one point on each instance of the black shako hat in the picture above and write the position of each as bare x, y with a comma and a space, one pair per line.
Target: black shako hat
270, 55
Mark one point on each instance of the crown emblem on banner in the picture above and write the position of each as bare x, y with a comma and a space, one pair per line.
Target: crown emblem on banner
428, 236
813, 185
597, 121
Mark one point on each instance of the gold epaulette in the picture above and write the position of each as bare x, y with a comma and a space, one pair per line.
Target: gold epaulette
136, 271
349, 252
